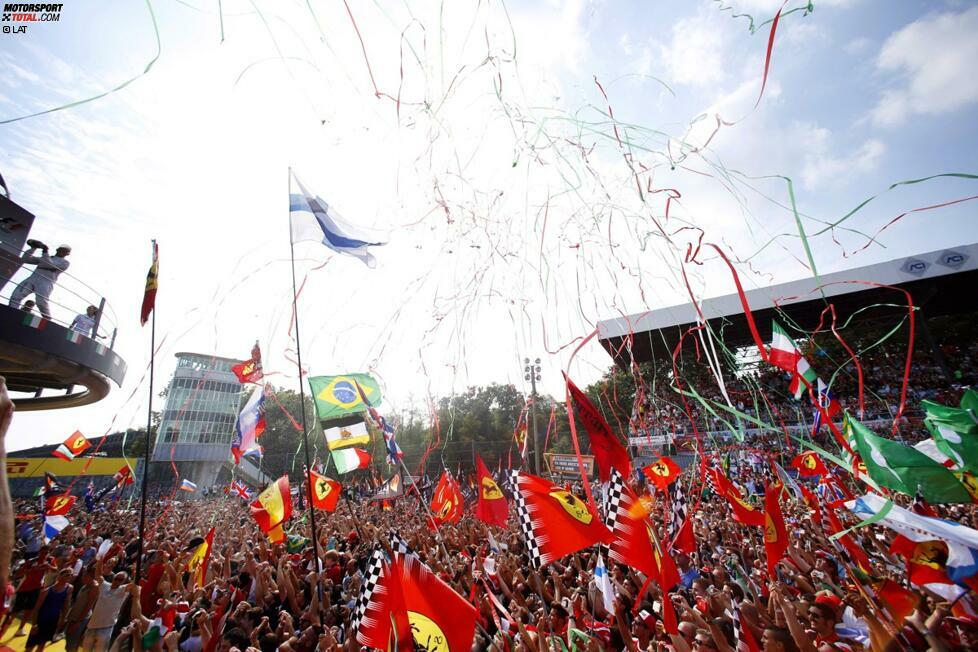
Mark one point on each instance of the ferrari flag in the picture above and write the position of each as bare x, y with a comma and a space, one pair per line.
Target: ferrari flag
662, 473
554, 522
325, 492
73, 447
250, 370
492, 506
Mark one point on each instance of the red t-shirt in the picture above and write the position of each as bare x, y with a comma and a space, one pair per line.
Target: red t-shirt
34, 576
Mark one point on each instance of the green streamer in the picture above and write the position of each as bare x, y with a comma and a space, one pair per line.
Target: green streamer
875, 518
159, 49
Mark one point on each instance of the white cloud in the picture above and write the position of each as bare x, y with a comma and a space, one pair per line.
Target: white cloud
936, 57
858, 45
822, 166
696, 55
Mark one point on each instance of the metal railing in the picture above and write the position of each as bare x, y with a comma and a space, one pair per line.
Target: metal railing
69, 298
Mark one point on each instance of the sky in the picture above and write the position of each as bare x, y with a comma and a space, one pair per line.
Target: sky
499, 146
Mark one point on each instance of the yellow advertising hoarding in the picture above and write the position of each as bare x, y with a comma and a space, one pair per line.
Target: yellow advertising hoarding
35, 467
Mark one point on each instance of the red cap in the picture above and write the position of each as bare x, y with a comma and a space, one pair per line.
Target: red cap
829, 599
969, 621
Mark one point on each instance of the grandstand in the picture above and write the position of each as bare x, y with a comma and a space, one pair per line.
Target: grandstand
941, 283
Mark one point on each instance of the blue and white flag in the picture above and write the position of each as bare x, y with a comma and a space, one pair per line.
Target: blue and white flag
53, 526
314, 219
249, 426
961, 540
603, 582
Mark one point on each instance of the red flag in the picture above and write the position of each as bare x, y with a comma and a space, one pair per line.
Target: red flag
669, 616
492, 506
811, 501
926, 562
856, 553
250, 371
149, 296
59, 505
662, 473
775, 532
744, 512
438, 617
273, 506
899, 601
401, 629
608, 451
446, 503
635, 543
325, 492
555, 522
123, 476
809, 465
685, 540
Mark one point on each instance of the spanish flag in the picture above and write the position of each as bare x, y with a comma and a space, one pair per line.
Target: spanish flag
198, 562
149, 296
276, 534
73, 447
273, 506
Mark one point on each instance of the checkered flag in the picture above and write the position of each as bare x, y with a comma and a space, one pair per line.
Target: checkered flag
525, 521
711, 479
371, 586
612, 501
677, 503
743, 639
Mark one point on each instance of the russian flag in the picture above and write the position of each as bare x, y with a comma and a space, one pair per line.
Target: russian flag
314, 219
187, 485
250, 425
53, 526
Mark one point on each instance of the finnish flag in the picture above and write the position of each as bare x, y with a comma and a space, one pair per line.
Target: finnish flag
314, 219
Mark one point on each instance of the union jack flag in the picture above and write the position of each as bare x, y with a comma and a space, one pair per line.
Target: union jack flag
241, 489
394, 453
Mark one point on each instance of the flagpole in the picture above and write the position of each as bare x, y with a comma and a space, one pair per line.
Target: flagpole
149, 424
302, 396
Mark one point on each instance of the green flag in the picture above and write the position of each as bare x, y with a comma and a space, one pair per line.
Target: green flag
337, 396
970, 400
904, 468
955, 431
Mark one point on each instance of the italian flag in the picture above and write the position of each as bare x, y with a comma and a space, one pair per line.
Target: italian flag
350, 459
785, 355
74, 337
34, 321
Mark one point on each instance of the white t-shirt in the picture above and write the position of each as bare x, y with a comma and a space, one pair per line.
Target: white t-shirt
106, 610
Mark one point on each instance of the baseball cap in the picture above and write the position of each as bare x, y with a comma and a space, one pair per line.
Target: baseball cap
969, 621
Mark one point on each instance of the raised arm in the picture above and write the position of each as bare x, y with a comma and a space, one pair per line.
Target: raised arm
6, 506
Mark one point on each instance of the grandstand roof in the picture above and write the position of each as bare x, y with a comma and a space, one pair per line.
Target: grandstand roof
941, 283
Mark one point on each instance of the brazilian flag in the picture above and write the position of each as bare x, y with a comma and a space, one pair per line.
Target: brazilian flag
337, 396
